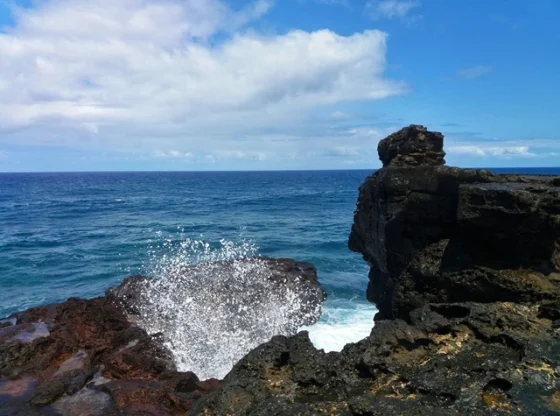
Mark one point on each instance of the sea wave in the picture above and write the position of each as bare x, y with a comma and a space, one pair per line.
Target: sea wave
211, 315
343, 321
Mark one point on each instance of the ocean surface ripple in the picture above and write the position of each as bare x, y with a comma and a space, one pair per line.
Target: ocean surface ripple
75, 234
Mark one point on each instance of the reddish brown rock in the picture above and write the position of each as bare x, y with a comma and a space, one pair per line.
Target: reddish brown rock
87, 358
83, 357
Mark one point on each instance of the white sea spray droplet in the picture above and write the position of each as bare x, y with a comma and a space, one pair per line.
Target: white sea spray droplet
212, 315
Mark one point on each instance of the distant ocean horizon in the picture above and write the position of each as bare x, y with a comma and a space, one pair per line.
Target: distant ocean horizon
543, 170
75, 234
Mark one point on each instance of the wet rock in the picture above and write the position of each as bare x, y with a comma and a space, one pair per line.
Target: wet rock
127, 392
74, 381
78, 361
4, 323
87, 402
300, 277
464, 272
87, 357
47, 392
88, 345
15, 394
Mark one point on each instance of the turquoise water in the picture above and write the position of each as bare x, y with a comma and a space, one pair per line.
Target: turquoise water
74, 234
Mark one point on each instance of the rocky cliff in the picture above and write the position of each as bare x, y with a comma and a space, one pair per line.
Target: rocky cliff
465, 272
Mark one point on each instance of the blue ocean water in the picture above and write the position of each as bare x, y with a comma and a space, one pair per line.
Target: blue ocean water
75, 234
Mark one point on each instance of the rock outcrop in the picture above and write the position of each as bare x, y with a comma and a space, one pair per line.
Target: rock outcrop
465, 273
412, 146
244, 282
87, 357
83, 357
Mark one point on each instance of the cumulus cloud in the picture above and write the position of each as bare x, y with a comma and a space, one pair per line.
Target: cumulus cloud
474, 71
391, 9
171, 154
181, 76
505, 151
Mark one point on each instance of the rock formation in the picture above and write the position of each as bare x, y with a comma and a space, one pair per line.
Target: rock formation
465, 272
87, 357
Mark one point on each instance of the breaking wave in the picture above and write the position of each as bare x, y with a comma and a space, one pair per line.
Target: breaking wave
214, 303
343, 321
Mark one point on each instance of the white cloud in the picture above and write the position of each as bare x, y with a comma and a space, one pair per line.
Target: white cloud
186, 75
237, 154
504, 151
339, 115
466, 150
474, 71
347, 151
171, 154
390, 9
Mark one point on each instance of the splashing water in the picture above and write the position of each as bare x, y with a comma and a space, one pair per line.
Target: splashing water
343, 321
214, 304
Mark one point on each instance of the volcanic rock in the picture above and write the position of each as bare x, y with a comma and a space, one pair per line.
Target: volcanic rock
412, 146
465, 274
87, 357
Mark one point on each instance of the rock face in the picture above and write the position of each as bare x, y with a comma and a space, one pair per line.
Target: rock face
83, 357
87, 357
465, 272
442, 234
412, 146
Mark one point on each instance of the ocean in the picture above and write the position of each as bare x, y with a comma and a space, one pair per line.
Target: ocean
75, 234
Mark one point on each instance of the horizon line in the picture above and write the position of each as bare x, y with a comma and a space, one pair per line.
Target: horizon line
252, 170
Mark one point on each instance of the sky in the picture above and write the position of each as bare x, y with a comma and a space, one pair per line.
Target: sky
88, 85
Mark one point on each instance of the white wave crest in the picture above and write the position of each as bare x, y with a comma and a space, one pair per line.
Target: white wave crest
344, 321
213, 306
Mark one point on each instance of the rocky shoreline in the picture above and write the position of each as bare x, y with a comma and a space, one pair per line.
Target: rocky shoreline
465, 272
88, 357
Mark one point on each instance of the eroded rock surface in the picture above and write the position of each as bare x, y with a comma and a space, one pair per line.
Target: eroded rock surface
62, 359
87, 357
465, 273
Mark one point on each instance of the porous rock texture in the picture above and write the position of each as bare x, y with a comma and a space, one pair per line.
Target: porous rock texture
87, 358
465, 272
83, 357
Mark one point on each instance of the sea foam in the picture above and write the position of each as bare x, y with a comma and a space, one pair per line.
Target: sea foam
211, 316
343, 321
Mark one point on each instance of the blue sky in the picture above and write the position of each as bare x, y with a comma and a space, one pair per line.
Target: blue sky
292, 84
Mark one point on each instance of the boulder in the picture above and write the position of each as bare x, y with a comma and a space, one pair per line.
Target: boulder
412, 146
